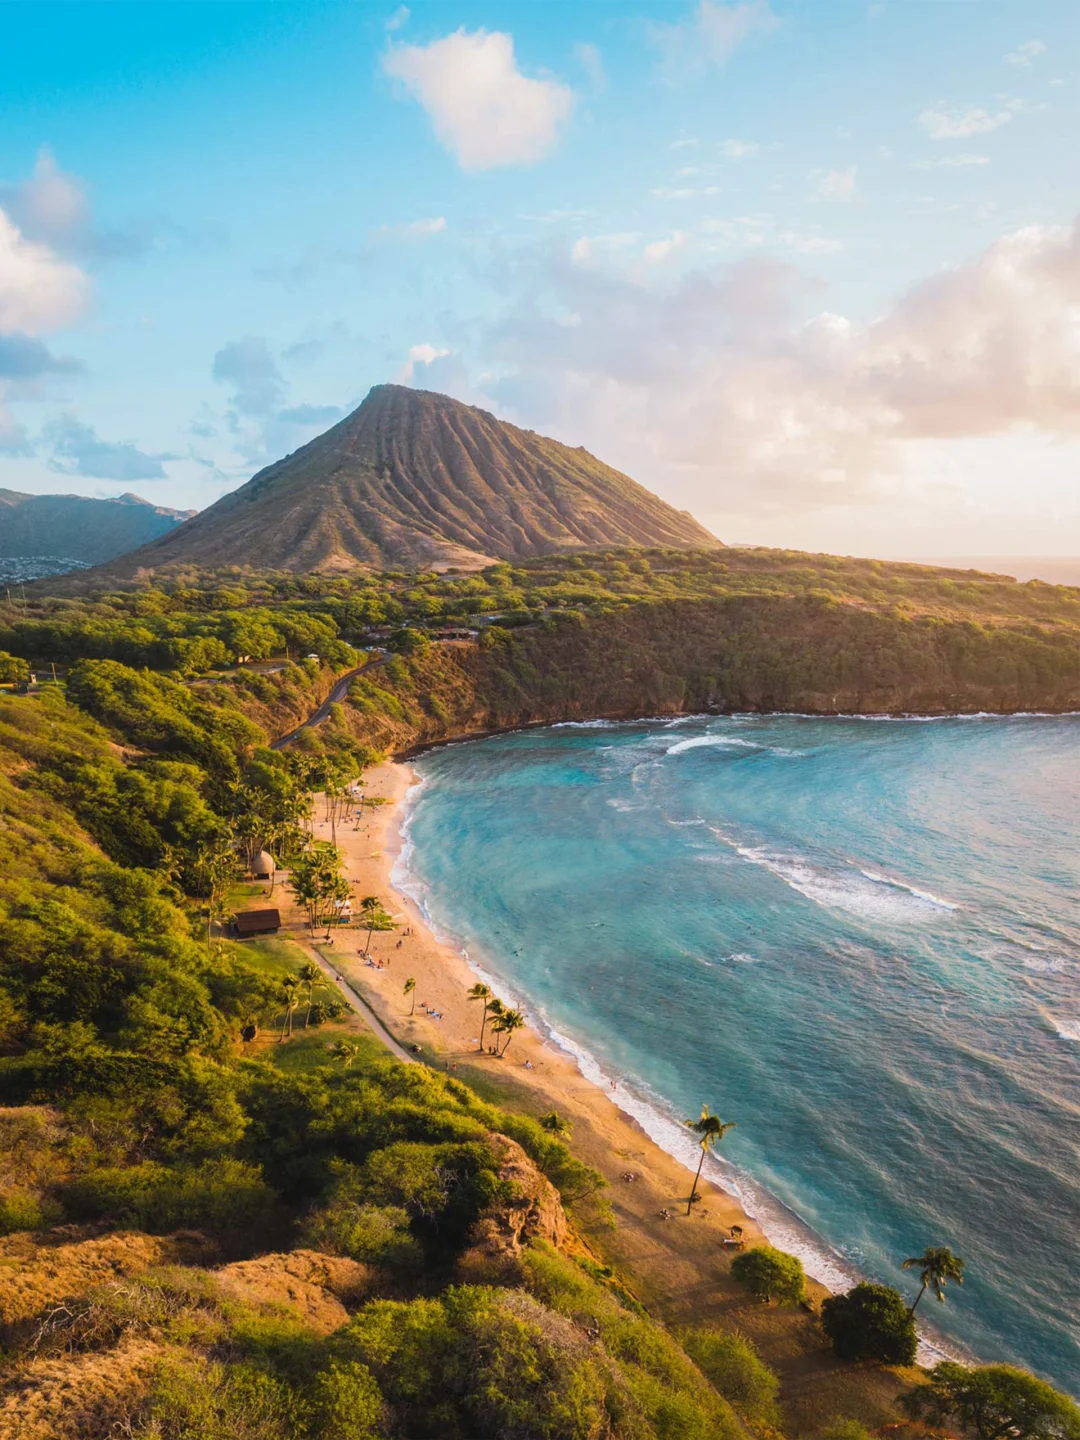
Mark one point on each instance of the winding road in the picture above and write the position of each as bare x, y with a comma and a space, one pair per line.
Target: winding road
337, 694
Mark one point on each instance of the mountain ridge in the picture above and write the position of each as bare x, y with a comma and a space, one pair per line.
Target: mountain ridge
80, 528
414, 479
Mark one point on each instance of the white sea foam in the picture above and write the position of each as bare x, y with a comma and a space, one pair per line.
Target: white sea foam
617, 803
1067, 1029
729, 742
927, 895
1051, 966
720, 741
859, 892
586, 724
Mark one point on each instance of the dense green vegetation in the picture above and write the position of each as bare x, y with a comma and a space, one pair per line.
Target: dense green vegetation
139, 1061
125, 1024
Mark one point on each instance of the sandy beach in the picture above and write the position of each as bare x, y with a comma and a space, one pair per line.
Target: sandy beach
547, 1076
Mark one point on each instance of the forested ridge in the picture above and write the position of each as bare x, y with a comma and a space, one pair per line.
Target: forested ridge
212, 1229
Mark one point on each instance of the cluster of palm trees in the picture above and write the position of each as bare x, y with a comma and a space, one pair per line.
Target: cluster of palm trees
308, 975
495, 1013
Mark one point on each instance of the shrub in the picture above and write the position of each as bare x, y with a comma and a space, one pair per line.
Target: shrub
377, 1234
870, 1322
219, 1402
219, 1195
20, 1210
770, 1274
994, 1400
736, 1369
840, 1429
346, 1404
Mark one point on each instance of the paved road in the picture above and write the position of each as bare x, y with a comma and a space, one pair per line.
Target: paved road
357, 1001
337, 694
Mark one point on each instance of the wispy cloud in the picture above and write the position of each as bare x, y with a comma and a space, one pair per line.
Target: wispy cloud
683, 192
484, 110
416, 229
836, 184
739, 149
1025, 55
941, 123
592, 62
951, 162
77, 449
709, 34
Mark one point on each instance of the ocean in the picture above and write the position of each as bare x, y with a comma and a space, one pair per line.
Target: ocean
858, 938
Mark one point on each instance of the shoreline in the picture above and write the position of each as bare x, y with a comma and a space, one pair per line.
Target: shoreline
678, 1265
880, 717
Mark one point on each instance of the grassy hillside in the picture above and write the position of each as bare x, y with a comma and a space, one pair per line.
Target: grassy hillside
209, 1229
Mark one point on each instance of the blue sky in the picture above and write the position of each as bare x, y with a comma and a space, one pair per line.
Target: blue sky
806, 267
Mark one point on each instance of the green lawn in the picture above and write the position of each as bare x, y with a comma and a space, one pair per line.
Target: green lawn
306, 1052
274, 954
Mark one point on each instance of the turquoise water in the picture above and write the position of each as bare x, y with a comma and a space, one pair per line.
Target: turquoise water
859, 939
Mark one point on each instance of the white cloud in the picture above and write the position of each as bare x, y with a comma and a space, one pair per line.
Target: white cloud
739, 149
425, 355
658, 251
684, 143
1024, 55
718, 385
952, 162
588, 247
399, 18
484, 110
838, 184
39, 291
710, 33
955, 124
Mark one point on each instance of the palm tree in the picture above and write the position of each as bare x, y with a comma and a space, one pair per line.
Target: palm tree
345, 1050
410, 989
711, 1130
556, 1124
507, 1022
370, 906
480, 991
310, 975
289, 986
935, 1265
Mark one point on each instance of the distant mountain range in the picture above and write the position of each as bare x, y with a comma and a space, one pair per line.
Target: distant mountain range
413, 479
76, 529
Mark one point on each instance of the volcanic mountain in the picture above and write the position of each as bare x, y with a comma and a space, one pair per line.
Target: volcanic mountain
413, 479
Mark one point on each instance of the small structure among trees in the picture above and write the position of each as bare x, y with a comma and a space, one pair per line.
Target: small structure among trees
256, 922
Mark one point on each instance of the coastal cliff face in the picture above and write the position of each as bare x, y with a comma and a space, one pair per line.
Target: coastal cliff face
799, 654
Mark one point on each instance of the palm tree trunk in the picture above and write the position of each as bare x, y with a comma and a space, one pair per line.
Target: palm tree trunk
483, 1023
412, 1007
918, 1297
697, 1177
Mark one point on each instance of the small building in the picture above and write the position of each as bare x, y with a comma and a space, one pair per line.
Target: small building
256, 922
263, 866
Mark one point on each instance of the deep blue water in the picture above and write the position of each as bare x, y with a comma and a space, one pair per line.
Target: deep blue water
859, 939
